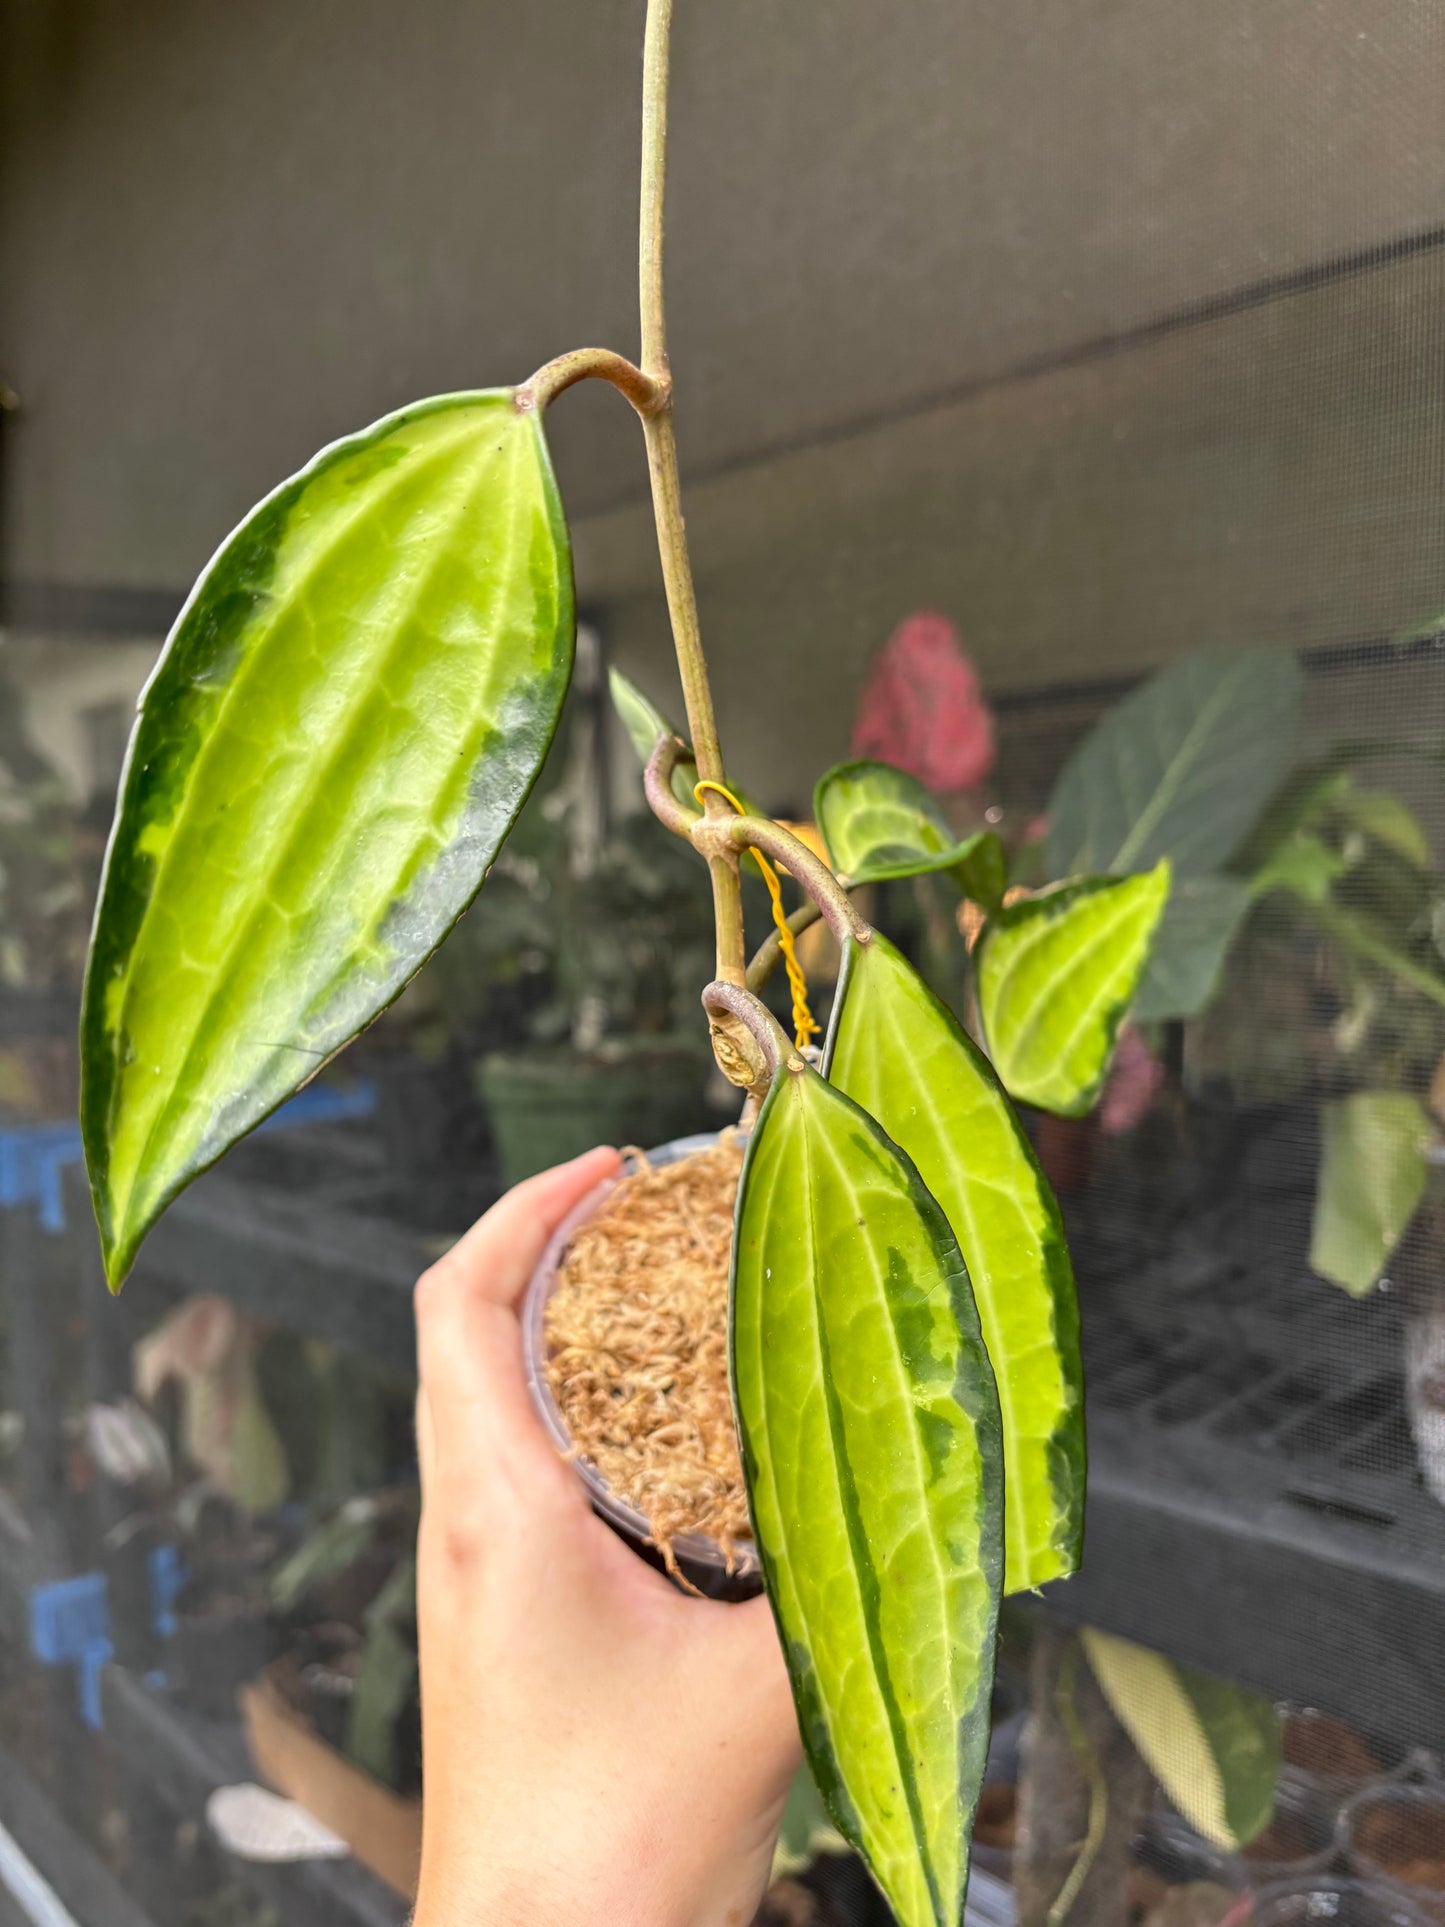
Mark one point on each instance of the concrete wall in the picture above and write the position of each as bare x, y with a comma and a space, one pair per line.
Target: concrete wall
229, 232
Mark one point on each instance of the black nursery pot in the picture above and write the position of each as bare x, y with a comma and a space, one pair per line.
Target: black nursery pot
699, 1558
214, 1653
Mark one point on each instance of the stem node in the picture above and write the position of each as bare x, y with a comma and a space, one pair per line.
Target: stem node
748, 1041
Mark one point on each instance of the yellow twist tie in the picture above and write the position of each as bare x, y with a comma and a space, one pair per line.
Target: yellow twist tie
805, 1025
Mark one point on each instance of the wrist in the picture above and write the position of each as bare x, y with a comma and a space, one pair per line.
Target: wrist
485, 1890
553, 1896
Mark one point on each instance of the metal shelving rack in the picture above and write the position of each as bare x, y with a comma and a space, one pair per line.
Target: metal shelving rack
1254, 1508
308, 1265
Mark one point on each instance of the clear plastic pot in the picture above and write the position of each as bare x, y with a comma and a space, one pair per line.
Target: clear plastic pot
1328, 1761
1299, 1842
700, 1559
1393, 1835
1342, 1902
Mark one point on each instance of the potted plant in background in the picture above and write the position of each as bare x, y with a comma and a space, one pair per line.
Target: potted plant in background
1305, 937
620, 945
46, 873
1306, 863
1303, 944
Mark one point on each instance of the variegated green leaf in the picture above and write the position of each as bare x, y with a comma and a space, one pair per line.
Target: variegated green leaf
1056, 975
347, 716
644, 723
870, 1433
878, 822
901, 1054
1372, 1178
1213, 1747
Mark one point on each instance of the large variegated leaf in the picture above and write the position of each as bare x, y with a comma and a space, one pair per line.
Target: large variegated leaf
870, 1433
347, 716
901, 1054
879, 822
1056, 975
1179, 769
1213, 1747
1372, 1178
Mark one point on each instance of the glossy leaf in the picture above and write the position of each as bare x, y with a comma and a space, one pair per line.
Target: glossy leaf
1213, 1747
902, 1055
1186, 958
1180, 769
644, 723
1371, 1182
347, 716
870, 1434
878, 822
1056, 975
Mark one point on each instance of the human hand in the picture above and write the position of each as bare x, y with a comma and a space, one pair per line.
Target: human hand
596, 1746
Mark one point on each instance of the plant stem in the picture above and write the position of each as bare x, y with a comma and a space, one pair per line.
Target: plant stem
656, 50
590, 364
657, 787
1098, 1788
835, 906
661, 436
743, 1016
1354, 935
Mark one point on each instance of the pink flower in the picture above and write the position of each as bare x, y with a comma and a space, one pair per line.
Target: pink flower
922, 709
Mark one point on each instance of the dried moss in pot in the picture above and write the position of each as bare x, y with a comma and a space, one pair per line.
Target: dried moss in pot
629, 1344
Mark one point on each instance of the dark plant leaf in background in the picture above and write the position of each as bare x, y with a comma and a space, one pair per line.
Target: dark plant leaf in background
387, 1677
1180, 769
1186, 958
1385, 817
332, 1548
346, 719
869, 1424
897, 1051
1305, 865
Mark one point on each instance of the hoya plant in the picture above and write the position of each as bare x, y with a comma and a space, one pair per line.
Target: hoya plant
1174, 774
346, 719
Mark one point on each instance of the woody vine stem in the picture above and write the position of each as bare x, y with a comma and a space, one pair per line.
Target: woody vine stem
718, 835
661, 436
